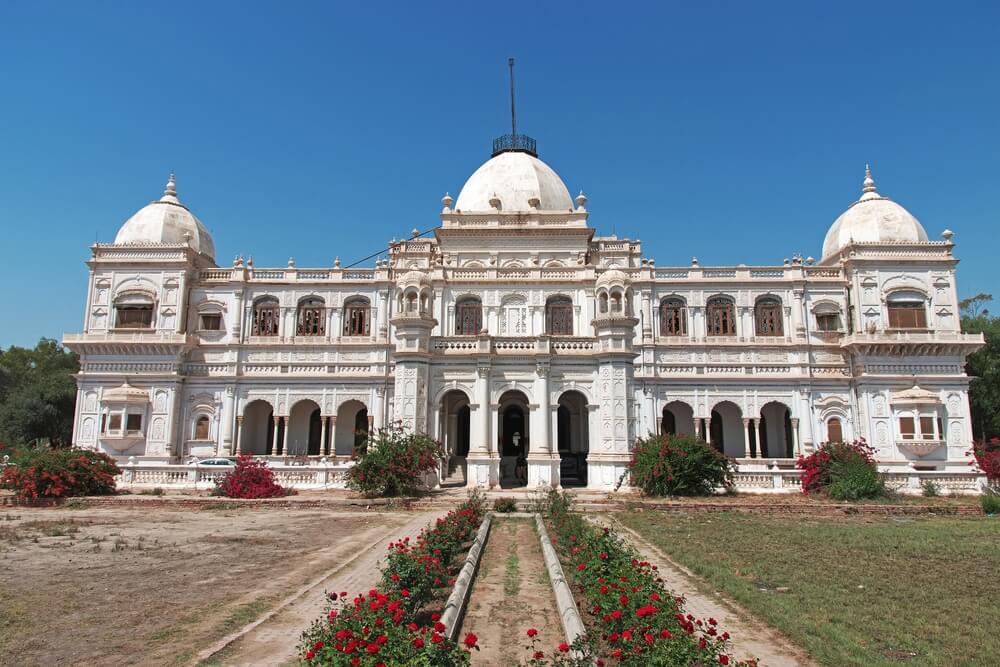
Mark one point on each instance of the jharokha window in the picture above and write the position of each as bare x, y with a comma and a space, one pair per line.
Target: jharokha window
559, 316
266, 317
767, 317
673, 321
311, 320
134, 312
357, 317
907, 311
201, 428
721, 313
468, 317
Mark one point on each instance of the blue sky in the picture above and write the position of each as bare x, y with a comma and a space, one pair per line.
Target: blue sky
736, 132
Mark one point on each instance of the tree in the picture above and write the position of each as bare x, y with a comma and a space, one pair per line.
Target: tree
37, 394
983, 366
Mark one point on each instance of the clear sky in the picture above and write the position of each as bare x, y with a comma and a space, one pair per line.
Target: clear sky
734, 131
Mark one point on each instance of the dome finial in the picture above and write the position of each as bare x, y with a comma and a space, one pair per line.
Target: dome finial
869, 184
171, 186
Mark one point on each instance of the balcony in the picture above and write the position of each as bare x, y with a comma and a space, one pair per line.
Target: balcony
912, 342
919, 448
511, 346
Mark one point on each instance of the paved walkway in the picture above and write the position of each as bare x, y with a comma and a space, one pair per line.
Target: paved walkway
751, 637
274, 641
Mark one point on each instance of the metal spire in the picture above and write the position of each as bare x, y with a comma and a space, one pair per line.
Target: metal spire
513, 110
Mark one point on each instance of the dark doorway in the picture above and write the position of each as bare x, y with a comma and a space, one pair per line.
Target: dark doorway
464, 425
315, 431
513, 432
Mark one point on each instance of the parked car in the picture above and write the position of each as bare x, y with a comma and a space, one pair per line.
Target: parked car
217, 462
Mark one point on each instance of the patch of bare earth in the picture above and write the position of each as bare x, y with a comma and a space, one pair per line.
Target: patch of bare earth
154, 586
511, 593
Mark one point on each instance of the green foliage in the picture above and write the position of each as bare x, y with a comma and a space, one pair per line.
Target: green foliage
667, 465
505, 505
930, 489
37, 394
990, 501
983, 366
394, 463
41, 472
855, 479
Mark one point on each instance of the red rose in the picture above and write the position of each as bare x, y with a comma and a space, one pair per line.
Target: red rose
418, 642
564, 647
532, 632
723, 659
470, 640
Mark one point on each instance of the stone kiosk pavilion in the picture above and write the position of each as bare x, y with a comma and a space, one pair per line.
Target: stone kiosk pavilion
534, 349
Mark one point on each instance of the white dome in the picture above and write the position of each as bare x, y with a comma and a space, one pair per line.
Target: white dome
873, 219
515, 178
612, 278
166, 221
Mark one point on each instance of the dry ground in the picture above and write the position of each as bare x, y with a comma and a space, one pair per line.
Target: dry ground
110, 586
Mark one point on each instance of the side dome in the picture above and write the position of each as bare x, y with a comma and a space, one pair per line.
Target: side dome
612, 278
166, 220
873, 219
517, 181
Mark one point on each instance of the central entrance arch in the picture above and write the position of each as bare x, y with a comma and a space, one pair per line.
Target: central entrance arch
513, 428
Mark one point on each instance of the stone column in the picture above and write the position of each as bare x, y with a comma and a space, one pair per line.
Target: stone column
238, 446
378, 407
274, 437
324, 422
284, 437
332, 443
746, 435
795, 436
228, 410
706, 425
543, 467
483, 466
647, 317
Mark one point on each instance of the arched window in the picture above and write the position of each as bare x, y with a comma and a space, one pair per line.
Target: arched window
266, 317
827, 317
357, 316
201, 428
134, 311
673, 320
559, 316
767, 317
834, 430
907, 310
617, 301
311, 318
721, 313
469, 317
602, 302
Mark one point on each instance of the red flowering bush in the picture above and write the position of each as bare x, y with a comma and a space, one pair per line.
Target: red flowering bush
394, 463
251, 478
987, 459
40, 472
631, 617
388, 626
844, 470
679, 465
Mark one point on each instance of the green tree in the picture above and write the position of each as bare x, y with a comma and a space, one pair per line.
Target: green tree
37, 394
983, 366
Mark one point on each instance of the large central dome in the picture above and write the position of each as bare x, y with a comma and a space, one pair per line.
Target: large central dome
518, 182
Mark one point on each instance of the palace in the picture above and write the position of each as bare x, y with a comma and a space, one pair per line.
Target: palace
536, 350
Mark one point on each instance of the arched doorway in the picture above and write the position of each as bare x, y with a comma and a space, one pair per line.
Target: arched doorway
257, 434
304, 426
455, 424
775, 430
726, 429
573, 438
351, 432
513, 443
677, 419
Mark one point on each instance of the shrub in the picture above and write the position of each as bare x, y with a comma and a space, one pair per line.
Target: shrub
990, 501
930, 489
394, 463
987, 459
40, 472
666, 465
845, 470
505, 505
250, 478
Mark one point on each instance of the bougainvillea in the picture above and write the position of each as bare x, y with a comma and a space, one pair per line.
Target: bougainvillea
251, 478
669, 465
40, 472
394, 463
845, 470
986, 457
391, 625
630, 616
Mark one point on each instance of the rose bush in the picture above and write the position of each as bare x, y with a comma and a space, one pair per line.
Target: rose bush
391, 625
843, 470
678, 465
986, 457
251, 478
40, 472
394, 463
632, 619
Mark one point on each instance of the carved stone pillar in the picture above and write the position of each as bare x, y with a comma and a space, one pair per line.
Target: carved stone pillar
324, 423
274, 439
747, 435
795, 437
238, 445
284, 437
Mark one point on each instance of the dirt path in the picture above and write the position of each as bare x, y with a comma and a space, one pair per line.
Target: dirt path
273, 641
751, 637
511, 593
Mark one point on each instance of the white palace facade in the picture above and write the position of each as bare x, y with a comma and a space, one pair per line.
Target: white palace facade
536, 350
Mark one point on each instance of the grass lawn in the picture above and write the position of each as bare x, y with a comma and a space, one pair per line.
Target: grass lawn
851, 591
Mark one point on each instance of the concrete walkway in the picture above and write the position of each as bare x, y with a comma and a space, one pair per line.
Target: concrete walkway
273, 640
751, 637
